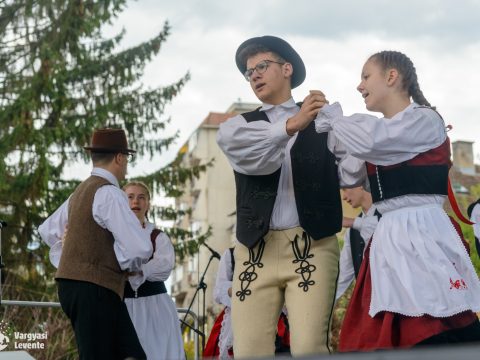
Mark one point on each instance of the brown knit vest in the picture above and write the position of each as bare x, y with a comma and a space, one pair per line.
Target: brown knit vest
87, 252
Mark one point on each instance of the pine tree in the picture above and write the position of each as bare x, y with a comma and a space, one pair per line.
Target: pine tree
61, 78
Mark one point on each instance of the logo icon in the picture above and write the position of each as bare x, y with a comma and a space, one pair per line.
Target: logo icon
4, 339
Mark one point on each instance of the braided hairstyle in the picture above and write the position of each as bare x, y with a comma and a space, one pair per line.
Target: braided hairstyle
403, 64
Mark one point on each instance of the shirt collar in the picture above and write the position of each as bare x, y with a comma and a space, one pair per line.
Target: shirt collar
106, 175
409, 108
290, 103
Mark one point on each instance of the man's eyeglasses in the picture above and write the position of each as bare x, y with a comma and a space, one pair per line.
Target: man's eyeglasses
261, 67
130, 156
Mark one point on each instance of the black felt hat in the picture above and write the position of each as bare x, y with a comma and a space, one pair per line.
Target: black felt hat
282, 48
109, 141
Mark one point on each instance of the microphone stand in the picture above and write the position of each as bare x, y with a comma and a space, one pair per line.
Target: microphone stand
203, 286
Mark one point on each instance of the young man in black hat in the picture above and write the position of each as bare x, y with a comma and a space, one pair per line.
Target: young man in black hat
104, 242
288, 205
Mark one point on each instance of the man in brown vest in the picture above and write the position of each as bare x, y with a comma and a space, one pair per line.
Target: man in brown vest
104, 241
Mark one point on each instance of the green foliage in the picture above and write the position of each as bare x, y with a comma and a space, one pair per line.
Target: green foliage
463, 202
475, 191
470, 239
60, 80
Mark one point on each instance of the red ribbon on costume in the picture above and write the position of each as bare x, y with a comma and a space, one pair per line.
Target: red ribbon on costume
456, 209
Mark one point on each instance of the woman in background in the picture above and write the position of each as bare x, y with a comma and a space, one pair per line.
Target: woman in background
151, 309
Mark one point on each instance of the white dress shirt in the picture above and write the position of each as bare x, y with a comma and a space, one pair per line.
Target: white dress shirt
111, 211
261, 148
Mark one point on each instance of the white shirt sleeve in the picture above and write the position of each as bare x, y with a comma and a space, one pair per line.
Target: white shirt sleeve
132, 243
224, 280
384, 141
366, 224
347, 272
352, 171
254, 148
51, 231
160, 266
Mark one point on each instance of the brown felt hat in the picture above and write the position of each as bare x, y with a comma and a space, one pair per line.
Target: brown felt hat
109, 141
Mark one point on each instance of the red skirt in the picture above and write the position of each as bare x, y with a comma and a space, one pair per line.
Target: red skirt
211, 348
282, 341
387, 330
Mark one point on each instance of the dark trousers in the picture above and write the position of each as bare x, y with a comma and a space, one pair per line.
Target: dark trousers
103, 329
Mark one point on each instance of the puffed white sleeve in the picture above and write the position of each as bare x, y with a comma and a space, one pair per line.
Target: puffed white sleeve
384, 141
224, 280
352, 171
160, 266
253, 148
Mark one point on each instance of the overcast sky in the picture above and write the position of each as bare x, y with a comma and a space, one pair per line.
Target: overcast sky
334, 39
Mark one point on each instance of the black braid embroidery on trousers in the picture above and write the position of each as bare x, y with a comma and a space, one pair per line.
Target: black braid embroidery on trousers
305, 269
249, 275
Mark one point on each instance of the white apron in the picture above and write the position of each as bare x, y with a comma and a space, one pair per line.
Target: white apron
419, 265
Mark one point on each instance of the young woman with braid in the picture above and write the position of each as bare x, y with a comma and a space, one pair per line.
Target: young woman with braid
417, 284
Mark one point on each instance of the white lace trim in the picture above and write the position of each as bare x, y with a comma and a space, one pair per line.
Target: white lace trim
225, 341
444, 313
406, 313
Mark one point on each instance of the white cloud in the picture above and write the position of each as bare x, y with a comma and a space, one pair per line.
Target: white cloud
334, 39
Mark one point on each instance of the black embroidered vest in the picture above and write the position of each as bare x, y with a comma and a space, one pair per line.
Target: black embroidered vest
315, 183
426, 174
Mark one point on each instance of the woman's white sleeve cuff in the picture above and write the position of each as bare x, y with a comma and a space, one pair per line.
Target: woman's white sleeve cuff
326, 116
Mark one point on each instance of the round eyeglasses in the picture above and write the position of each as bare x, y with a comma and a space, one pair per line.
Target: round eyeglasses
260, 68
130, 156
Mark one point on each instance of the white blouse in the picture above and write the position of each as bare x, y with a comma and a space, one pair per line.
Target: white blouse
383, 141
161, 265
